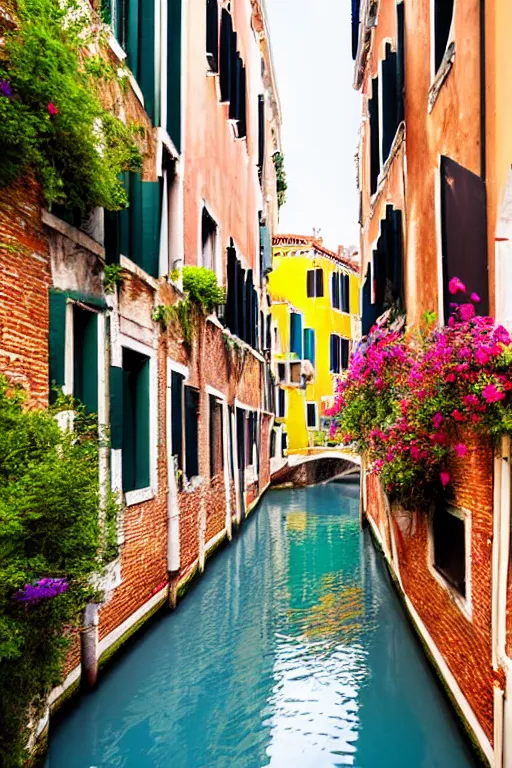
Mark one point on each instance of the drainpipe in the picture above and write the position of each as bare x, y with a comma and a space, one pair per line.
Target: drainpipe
173, 511
227, 483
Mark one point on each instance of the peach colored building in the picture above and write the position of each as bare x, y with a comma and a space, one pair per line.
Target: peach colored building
435, 155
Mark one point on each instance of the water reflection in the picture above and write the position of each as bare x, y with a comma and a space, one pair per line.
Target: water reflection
291, 651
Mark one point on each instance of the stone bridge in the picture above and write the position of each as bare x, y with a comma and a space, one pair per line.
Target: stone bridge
311, 466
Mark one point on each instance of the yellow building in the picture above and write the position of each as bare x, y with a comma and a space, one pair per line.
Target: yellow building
315, 320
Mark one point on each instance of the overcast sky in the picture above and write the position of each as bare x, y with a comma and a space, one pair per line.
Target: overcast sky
311, 45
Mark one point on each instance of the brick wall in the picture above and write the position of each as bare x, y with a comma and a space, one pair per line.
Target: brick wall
464, 643
24, 282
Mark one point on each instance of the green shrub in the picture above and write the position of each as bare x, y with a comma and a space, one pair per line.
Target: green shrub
51, 116
49, 528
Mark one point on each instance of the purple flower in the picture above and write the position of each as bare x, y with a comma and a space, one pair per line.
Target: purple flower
5, 89
475, 297
455, 285
44, 589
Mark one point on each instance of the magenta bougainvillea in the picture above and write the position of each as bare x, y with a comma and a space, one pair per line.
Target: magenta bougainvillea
409, 400
44, 589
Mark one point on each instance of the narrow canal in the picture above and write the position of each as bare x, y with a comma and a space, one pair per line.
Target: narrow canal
292, 651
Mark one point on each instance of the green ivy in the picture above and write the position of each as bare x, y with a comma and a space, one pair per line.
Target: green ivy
49, 527
112, 277
282, 185
51, 116
202, 294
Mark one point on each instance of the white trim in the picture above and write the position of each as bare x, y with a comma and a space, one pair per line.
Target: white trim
139, 495
244, 406
438, 212
443, 668
119, 631
465, 604
164, 255
178, 368
215, 540
215, 393
68, 681
69, 351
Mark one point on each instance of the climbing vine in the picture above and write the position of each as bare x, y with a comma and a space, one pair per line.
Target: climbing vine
282, 185
51, 542
202, 296
112, 277
51, 117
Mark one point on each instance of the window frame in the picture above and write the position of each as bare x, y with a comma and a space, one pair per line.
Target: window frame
285, 403
315, 294
340, 339
144, 494
464, 603
313, 427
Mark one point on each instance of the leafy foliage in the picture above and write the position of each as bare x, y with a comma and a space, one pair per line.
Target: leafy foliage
51, 117
49, 529
203, 294
282, 185
410, 400
113, 276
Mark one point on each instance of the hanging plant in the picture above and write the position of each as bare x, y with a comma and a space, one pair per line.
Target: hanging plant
51, 117
410, 400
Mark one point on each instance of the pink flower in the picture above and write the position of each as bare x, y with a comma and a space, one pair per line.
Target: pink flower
475, 297
475, 418
457, 415
415, 453
378, 465
470, 400
492, 394
455, 285
445, 478
450, 377
501, 335
481, 357
52, 109
467, 312
437, 420
460, 449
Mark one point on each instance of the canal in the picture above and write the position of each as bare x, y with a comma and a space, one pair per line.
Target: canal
292, 652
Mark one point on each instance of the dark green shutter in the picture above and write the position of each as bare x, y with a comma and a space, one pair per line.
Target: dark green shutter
309, 345
177, 416
132, 37
174, 71
85, 358
142, 458
311, 283
57, 340
319, 283
373, 108
116, 407
146, 77
191, 436
151, 211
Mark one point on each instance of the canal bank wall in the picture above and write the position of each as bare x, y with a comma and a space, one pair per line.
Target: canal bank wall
455, 629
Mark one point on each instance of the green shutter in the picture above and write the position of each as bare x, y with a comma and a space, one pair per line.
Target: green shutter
151, 210
174, 71
116, 407
142, 462
85, 358
146, 75
57, 339
133, 36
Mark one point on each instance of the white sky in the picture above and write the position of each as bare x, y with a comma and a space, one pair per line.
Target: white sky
311, 46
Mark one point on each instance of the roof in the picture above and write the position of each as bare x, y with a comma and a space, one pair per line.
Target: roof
314, 244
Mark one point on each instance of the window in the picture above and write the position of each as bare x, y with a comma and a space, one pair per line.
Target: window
191, 432
273, 443
135, 231
312, 415
339, 353
281, 371
136, 430
261, 135
389, 101
284, 441
315, 283
387, 271
212, 35
85, 357
309, 345
340, 292
373, 111
216, 436
74, 332
281, 404
134, 25
464, 233
450, 546
177, 417
208, 241
296, 334
443, 17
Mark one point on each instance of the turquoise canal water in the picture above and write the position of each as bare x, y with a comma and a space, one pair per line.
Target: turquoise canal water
292, 652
